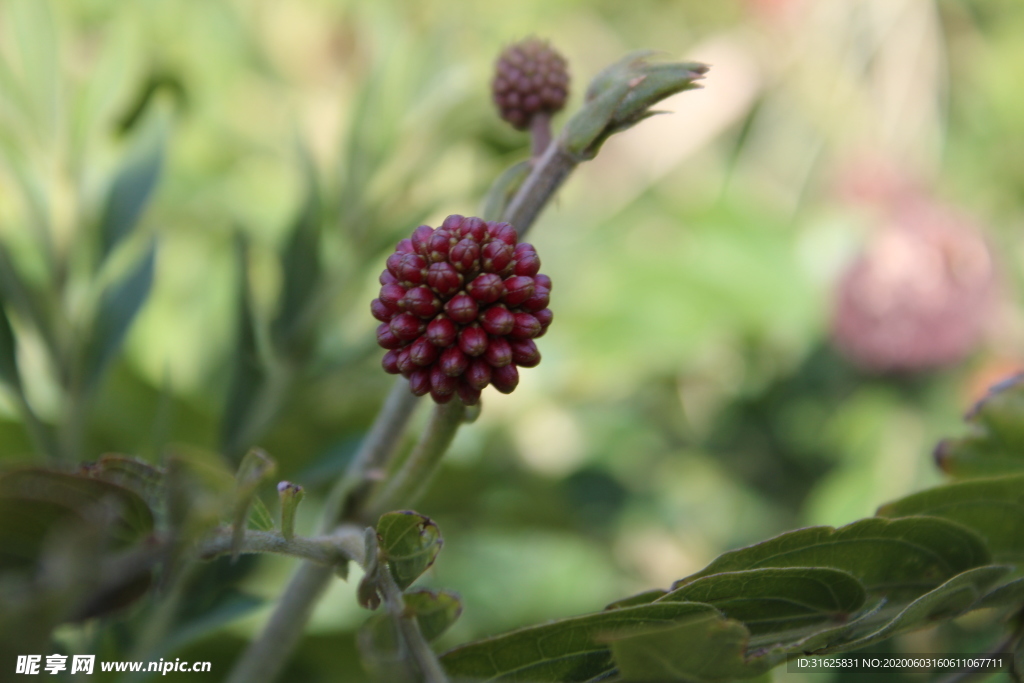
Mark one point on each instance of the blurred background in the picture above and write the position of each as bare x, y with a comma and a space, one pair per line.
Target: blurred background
770, 303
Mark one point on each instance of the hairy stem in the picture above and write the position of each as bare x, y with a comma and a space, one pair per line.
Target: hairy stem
343, 545
410, 481
540, 134
409, 627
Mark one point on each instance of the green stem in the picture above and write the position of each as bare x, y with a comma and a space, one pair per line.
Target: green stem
409, 627
411, 480
548, 175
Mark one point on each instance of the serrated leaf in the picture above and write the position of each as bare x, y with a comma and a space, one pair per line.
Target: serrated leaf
951, 599
996, 442
900, 558
774, 600
409, 542
115, 313
132, 473
260, 517
706, 649
435, 611
992, 508
569, 650
129, 193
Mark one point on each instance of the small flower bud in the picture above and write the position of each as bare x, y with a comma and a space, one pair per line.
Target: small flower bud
525, 353
544, 317
406, 326
473, 341
452, 223
474, 229
392, 293
497, 320
290, 496
441, 383
421, 239
443, 278
505, 379
439, 245
518, 289
504, 232
422, 352
386, 338
499, 352
453, 361
543, 281
495, 257
527, 263
441, 332
405, 246
386, 278
465, 256
421, 302
382, 311
462, 309
486, 288
478, 374
526, 327
467, 394
530, 78
405, 365
537, 301
412, 269
419, 382
390, 362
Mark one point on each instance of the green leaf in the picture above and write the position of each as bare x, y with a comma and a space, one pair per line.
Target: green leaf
117, 309
8, 353
568, 650
503, 189
1008, 595
992, 508
80, 493
435, 611
644, 598
900, 558
951, 599
124, 470
772, 600
256, 468
130, 192
300, 265
247, 409
409, 542
995, 444
706, 648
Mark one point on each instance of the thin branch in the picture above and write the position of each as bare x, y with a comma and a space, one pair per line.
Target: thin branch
346, 544
409, 627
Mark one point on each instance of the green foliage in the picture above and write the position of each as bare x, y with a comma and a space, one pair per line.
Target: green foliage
995, 444
409, 542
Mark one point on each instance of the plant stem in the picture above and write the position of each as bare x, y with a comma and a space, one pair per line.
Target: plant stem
265, 656
343, 545
373, 454
540, 134
410, 481
419, 648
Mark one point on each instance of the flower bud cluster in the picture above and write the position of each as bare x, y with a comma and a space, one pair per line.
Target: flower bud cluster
459, 307
530, 78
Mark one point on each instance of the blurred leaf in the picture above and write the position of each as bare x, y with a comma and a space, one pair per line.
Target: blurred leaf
32, 304
621, 96
435, 611
992, 508
566, 650
300, 265
705, 648
117, 309
503, 189
409, 542
256, 468
777, 599
900, 558
1007, 595
951, 599
130, 192
231, 606
246, 410
132, 473
8, 353
995, 444
134, 517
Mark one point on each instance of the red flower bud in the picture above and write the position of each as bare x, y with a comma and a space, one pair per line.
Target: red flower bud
412, 269
443, 278
422, 352
467, 394
419, 381
525, 353
386, 278
406, 326
526, 327
405, 246
499, 352
518, 289
465, 256
473, 228
382, 311
495, 257
505, 379
473, 341
503, 232
543, 281
527, 263
392, 293
441, 383
478, 374
537, 301
462, 309
390, 362
497, 320
439, 245
386, 338
421, 302
486, 288
421, 239
441, 332
453, 361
